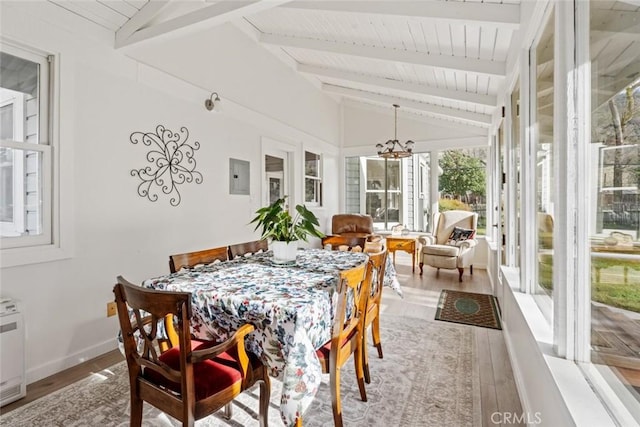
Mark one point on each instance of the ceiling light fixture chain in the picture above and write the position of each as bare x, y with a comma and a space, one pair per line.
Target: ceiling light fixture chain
395, 149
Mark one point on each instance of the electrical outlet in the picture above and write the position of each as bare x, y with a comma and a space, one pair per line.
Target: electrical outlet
111, 309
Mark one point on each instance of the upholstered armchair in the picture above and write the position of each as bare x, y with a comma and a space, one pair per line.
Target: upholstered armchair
452, 244
353, 225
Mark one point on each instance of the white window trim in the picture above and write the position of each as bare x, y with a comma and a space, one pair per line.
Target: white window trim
61, 208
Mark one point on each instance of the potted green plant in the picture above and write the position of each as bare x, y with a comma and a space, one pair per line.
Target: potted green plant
285, 230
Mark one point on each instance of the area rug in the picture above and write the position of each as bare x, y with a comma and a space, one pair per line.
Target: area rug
468, 308
425, 379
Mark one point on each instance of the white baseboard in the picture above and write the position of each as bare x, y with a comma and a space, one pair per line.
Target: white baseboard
53, 367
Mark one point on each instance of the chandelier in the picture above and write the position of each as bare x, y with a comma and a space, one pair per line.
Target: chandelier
394, 149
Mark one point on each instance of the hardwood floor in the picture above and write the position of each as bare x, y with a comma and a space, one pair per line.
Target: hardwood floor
498, 394
62, 379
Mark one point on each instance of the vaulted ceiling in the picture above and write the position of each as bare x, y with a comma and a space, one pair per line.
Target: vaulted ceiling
443, 59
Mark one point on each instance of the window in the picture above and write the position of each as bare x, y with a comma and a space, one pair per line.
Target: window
614, 194
391, 191
462, 184
25, 151
384, 178
312, 178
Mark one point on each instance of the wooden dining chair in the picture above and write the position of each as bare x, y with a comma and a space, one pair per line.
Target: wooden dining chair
378, 262
191, 259
346, 335
186, 378
247, 248
346, 243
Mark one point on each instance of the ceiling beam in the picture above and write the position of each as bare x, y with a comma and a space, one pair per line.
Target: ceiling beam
471, 65
139, 20
203, 18
382, 82
477, 118
503, 15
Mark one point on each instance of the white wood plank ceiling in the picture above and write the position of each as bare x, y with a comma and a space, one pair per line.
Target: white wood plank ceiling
438, 58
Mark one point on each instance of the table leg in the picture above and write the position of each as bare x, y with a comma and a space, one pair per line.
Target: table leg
413, 261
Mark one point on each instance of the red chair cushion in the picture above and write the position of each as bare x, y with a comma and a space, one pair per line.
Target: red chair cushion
324, 351
210, 376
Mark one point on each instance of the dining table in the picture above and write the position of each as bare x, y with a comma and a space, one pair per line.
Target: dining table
290, 305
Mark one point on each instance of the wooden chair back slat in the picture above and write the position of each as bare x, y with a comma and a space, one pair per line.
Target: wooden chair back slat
248, 248
191, 259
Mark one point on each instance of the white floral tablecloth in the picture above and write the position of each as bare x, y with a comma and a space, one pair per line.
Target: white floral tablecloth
290, 306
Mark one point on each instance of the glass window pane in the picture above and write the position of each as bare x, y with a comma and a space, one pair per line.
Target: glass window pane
311, 164
615, 199
6, 122
312, 190
19, 86
313, 181
20, 200
375, 174
515, 115
544, 159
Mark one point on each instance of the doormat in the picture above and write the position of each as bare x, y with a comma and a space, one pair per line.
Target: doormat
468, 308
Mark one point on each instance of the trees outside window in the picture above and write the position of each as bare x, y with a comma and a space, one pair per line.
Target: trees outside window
462, 183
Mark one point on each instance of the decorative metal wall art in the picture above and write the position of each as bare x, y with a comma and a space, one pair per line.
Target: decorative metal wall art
172, 163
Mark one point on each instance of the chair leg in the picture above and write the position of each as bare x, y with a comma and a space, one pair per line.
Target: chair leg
471, 269
357, 360
421, 264
228, 411
365, 359
334, 382
265, 395
375, 332
136, 412
461, 270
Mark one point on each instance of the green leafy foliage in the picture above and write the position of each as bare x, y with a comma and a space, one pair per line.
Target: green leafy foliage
278, 224
461, 173
452, 205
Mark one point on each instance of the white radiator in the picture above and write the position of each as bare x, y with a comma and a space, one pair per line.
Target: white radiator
12, 360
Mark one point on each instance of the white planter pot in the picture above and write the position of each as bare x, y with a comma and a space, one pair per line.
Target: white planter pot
284, 252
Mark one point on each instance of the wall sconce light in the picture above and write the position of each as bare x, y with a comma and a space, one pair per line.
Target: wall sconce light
213, 103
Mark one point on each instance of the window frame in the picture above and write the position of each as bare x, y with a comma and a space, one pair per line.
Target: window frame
55, 242
42, 146
316, 179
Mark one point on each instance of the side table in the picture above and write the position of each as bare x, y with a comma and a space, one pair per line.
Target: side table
405, 243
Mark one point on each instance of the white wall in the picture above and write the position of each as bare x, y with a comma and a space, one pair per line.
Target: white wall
225, 60
106, 96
